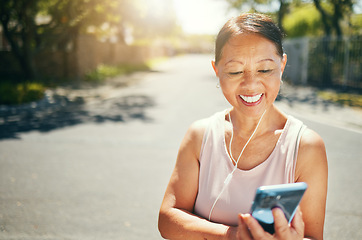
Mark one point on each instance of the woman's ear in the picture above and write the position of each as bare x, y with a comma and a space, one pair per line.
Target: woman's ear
215, 68
284, 62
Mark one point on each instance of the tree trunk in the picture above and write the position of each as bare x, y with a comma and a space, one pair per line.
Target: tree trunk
21, 49
326, 25
22, 54
27, 61
27, 64
281, 14
327, 75
336, 17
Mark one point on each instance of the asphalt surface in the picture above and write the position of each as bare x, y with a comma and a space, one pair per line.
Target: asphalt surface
93, 163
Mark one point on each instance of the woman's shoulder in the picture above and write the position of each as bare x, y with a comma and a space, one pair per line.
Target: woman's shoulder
312, 157
200, 126
311, 140
193, 138
197, 129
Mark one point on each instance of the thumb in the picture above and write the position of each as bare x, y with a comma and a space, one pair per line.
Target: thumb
281, 225
298, 223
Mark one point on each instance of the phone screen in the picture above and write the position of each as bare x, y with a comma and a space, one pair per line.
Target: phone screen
284, 196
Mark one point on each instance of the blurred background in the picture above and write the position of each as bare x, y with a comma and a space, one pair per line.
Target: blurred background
44, 43
96, 95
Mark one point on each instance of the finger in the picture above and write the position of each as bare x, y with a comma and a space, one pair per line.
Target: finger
298, 223
243, 231
281, 225
255, 229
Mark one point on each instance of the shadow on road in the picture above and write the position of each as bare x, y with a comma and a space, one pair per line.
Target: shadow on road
311, 99
64, 113
307, 102
294, 95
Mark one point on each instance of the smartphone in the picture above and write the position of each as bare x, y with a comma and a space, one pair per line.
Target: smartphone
284, 196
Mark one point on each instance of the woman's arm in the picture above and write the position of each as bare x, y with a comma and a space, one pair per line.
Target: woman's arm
176, 220
312, 168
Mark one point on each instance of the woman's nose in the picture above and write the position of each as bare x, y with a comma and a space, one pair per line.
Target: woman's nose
249, 79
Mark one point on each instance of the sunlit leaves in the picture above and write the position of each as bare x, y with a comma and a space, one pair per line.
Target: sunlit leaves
297, 25
56, 19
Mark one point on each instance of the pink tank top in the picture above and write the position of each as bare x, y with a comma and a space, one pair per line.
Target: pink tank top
215, 166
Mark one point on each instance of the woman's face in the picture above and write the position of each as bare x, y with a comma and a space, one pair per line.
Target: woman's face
250, 71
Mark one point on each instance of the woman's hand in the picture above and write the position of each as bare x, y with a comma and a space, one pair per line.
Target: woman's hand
249, 228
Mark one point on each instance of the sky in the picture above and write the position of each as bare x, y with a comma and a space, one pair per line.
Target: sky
202, 16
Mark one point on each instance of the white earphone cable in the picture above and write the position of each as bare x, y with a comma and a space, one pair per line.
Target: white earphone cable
228, 178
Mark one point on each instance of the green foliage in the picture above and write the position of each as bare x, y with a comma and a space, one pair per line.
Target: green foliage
307, 18
303, 21
31, 27
19, 93
347, 99
103, 72
356, 24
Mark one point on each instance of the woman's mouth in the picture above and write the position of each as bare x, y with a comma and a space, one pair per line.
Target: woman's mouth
251, 100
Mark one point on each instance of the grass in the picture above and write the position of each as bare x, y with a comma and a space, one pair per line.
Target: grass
13, 93
18, 93
103, 72
346, 99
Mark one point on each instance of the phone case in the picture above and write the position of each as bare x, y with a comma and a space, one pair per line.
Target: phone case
284, 196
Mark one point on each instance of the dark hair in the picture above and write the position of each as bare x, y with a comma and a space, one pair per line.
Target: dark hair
249, 23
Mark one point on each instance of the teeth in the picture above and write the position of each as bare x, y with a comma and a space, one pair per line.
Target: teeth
251, 99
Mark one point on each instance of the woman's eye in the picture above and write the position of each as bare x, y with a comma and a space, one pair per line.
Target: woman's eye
235, 73
265, 71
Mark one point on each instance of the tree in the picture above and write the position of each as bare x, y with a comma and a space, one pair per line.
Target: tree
32, 26
259, 5
18, 22
297, 25
332, 13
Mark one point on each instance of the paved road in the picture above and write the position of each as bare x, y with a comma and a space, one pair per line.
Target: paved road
98, 168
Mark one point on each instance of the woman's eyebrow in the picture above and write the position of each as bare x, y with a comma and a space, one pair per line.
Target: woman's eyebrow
242, 63
266, 60
234, 61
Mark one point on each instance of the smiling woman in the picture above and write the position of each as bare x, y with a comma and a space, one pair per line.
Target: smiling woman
210, 193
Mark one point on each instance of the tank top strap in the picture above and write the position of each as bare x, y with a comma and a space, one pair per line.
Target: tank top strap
295, 133
213, 125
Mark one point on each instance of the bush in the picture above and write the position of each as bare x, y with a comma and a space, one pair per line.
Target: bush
347, 99
304, 20
19, 93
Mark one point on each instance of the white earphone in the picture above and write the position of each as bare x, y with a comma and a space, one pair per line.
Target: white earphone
228, 178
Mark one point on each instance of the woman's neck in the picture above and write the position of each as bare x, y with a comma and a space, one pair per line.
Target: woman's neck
244, 126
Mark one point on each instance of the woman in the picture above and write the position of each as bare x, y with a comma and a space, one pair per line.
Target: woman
224, 158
